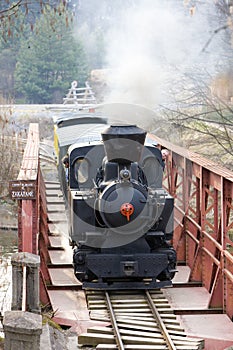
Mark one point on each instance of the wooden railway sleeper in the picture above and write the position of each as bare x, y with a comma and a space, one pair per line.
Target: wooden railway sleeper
139, 329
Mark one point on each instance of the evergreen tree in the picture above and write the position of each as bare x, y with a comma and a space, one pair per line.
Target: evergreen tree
9, 48
49, 60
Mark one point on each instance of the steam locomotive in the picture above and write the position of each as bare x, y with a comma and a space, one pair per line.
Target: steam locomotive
120, 217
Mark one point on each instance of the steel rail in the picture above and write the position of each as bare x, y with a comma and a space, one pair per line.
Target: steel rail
161, 324
116, 331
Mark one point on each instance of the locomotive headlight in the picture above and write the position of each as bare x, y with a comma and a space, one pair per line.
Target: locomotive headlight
125, 174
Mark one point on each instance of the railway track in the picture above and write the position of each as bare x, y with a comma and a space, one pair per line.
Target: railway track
138, 320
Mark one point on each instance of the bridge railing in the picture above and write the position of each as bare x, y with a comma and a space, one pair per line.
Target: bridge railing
203, 238
29, 191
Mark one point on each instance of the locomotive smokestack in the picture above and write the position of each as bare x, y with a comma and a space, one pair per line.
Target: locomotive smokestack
123, 143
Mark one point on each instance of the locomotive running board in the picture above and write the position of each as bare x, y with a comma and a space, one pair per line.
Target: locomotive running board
126, 285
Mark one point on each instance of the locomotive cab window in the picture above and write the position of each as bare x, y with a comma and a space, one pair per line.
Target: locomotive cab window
81, 170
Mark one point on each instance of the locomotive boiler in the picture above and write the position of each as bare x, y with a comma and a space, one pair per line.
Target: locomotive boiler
120, 217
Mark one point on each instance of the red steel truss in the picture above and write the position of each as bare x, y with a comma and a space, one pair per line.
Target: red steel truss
203, 238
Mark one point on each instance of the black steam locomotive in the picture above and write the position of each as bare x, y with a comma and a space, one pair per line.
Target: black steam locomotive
120, 217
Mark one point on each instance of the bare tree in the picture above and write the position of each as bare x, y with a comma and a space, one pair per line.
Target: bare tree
15, 14
223, 18
199, 104
206, 117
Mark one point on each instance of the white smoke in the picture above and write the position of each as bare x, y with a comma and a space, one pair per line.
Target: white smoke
152, 44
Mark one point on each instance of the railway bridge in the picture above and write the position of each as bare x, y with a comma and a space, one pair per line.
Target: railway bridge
202, 293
